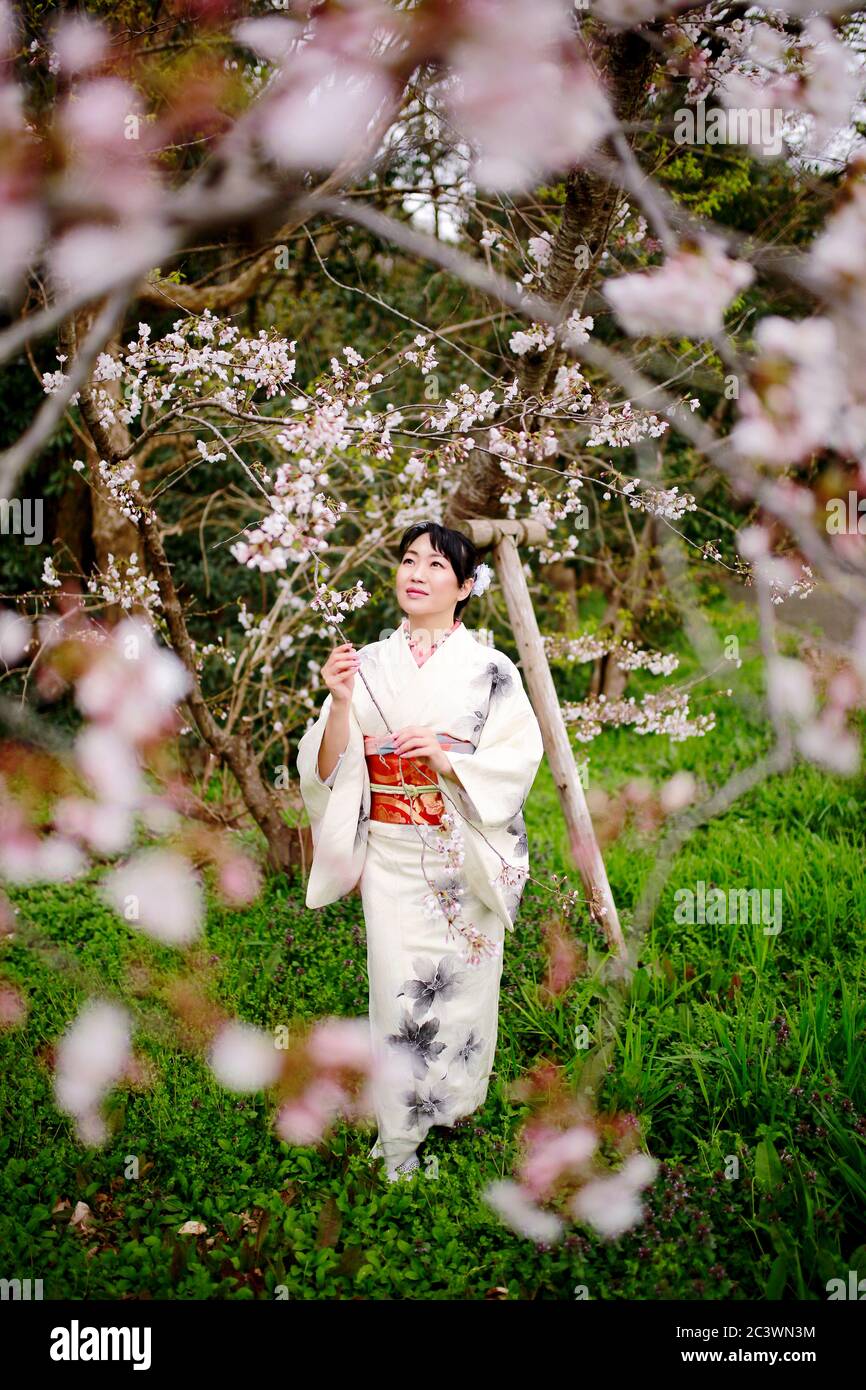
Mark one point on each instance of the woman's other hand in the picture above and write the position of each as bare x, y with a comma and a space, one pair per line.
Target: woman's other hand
416, 741
338, 673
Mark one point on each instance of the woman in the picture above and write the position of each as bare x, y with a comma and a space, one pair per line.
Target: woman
441, 870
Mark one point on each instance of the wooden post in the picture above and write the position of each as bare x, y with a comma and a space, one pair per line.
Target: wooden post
503, 536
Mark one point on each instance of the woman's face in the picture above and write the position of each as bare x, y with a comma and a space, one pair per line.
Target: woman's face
428, 572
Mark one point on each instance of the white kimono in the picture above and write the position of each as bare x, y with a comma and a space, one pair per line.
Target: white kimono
433, 1001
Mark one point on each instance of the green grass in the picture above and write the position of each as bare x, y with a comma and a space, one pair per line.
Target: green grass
740, 1053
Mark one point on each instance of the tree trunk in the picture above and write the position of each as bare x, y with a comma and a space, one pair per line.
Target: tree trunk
112, 534
608, 678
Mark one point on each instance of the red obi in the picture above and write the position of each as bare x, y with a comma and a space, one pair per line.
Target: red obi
387, 770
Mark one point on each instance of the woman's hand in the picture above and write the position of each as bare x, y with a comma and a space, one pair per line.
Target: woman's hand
338, 673
418, 742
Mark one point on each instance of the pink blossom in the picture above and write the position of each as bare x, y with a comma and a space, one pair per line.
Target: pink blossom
688, 294
789, 689
105, 829
270, 36
15, 635
833, 82
678, 792
837, 253
239, 880
802, 396
517, 1209
244, 1058
325, 112
89, 258
25, 858
134, 685
110, 765
22, 229
10, 28
158, 892
753, 542
556, 1152
629, 14
305, 1121
94, 118
828, 742
611, 1205
91, 1057
520, 101
79, 43
341, 1042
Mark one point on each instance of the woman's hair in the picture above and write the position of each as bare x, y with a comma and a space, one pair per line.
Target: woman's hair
457, 548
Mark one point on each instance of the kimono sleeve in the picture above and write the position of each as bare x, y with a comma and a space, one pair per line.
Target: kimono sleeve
338, 810
329, 780
496, 779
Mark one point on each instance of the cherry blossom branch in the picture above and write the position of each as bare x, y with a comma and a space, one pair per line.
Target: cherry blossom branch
15, 460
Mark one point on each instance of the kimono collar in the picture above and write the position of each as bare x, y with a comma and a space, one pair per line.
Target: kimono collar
450, 646
425, 657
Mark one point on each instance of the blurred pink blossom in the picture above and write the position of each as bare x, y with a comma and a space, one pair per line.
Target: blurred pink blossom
688, 294
554, 1152
271, 36
797, 400
159, 892
90, 257
305, 1120
239, 880
341, 1042
110, 765
27, 858
134, 684
611, 1205
516, 93
79, 43
90, 1058
829, 742
517, 1209
15, 635
678, 792
244, 1058
22, 229
105, 829
789, 689
324, 114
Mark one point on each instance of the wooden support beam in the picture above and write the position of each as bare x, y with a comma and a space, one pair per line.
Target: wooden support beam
503, 537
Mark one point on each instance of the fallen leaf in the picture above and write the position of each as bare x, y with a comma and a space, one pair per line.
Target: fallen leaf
82, 1216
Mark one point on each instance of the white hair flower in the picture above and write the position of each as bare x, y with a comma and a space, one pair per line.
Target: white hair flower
483, 576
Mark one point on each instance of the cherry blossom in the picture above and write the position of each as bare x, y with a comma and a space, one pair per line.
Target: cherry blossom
796, 398
158, 892
15, 636
134, 686
688, 294
244, 1058
612, 1205
516, 1207
91, 1057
